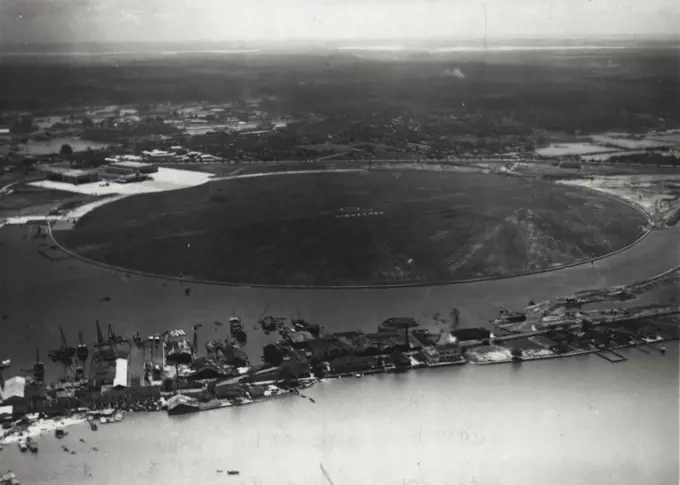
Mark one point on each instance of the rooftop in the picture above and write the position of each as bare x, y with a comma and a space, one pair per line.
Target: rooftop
67, 171
130, 164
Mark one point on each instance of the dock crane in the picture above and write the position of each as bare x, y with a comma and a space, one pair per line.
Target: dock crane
195, 343
115, 339
64, 354
100, 336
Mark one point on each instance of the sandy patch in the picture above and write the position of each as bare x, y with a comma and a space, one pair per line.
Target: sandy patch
163, 180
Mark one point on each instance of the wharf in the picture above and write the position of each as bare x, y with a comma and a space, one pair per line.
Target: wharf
611, 356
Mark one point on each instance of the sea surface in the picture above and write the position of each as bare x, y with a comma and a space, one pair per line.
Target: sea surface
573, 421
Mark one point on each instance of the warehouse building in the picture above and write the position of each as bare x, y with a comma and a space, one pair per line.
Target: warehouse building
128, 167
70, 175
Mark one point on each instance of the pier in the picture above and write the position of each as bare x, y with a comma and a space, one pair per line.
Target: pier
611, 356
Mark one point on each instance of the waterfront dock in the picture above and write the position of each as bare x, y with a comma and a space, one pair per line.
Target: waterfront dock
611, 356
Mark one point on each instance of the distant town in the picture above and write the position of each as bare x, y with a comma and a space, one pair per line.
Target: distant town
246, 132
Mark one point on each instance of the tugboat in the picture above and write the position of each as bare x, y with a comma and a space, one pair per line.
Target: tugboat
32, 445
60, 433
181, 404
93, 425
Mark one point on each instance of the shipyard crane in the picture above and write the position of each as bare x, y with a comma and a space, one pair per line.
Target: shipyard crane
64, 354
195, 345
100, 336
115, 339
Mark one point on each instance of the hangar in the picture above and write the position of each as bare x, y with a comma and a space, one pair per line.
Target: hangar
70, 175
127, 167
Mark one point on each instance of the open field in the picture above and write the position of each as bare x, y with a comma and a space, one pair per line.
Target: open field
382, 227
28, 201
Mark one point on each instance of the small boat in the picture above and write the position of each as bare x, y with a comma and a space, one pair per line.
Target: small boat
23, 446
93, 425
9, 478
32, 445
233, 472
66, 450
662, 350
60, 433
358, 376
312, 399
118, 417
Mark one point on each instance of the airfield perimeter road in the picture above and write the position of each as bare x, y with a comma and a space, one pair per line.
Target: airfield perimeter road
38, 294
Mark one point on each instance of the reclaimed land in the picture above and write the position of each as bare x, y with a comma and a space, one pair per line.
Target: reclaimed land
356, 229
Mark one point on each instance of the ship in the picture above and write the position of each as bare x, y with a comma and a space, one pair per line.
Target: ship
178, 350
32, 445
181, 404
236, 329
506, 317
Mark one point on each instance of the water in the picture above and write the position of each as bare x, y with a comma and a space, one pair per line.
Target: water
567, 421
571, 421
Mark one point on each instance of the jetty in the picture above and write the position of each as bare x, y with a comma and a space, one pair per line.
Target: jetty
611, 356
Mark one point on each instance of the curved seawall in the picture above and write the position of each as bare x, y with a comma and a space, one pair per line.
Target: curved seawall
438, 167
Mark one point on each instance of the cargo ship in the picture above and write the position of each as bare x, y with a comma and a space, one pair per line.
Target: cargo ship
178, 350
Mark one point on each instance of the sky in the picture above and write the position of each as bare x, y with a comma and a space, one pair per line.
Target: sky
67, 21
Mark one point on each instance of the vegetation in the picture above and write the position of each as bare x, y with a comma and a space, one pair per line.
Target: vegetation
433, 227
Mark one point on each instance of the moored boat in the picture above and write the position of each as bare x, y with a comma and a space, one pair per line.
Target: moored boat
9, 478
181, 404
32, 445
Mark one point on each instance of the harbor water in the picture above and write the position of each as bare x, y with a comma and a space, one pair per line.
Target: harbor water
566, 421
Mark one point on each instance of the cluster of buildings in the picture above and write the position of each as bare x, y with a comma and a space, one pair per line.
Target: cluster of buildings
120, 171
125, 372
396, 344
